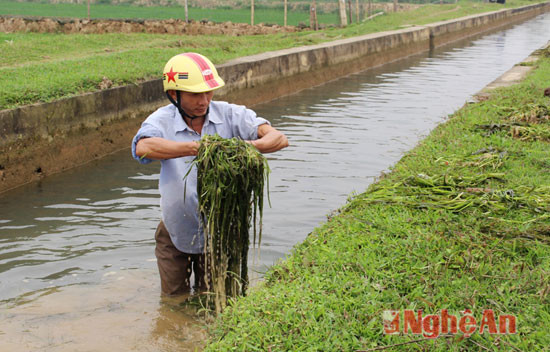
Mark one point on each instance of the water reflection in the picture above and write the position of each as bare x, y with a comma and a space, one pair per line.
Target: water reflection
122, 313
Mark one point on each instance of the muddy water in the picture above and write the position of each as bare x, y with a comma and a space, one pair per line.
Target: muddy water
77, 268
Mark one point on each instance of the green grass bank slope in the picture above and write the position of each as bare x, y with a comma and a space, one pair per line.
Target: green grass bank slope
461, 222
42, 67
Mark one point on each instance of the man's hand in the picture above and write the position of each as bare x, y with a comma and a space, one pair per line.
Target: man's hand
269, 139
159, 148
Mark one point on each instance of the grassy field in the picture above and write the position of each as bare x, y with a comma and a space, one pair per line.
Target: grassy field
43, 67
461, 222
262, 15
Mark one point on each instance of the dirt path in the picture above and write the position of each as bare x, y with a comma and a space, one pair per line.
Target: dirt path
10, 24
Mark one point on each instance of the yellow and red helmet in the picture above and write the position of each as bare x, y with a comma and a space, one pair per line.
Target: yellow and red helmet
191, 72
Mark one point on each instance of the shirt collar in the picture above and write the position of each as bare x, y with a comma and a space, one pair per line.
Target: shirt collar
181, 125
212, 116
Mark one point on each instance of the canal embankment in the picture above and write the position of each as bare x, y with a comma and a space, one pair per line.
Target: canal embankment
459, 227
45, 138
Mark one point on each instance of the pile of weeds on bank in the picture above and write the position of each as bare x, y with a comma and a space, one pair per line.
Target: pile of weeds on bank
460, 223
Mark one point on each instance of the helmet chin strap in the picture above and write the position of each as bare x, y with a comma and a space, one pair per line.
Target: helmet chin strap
177, 104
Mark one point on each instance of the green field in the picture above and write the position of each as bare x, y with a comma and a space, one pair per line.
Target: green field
38, 67
461, 222
262, 15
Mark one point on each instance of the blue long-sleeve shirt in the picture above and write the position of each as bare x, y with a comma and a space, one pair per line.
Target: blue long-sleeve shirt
180, 216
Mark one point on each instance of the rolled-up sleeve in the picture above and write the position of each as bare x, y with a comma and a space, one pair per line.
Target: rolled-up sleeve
246, 123
146, 131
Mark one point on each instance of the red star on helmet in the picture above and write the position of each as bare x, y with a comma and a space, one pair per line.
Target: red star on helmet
171, 75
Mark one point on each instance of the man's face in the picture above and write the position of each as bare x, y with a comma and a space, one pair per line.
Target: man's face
194, 104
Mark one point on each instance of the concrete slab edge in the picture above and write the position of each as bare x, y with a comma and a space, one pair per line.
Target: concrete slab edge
511, 77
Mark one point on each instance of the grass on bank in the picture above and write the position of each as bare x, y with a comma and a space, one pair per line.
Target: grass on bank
405, 244
38, 67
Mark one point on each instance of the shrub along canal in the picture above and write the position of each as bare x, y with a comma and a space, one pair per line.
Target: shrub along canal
77, 266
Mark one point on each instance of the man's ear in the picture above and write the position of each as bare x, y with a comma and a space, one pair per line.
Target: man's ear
172, 93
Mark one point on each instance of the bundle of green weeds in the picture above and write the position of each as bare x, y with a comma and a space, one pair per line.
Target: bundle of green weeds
457, 193
231, 174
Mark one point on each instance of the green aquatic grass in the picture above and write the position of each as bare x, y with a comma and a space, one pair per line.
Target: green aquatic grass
329, 294
231, 175
44, 67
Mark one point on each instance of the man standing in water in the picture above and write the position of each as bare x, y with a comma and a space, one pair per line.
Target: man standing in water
171, 135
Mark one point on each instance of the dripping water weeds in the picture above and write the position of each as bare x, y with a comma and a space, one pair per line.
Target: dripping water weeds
231, 175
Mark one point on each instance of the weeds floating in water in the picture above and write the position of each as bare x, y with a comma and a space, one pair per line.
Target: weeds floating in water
231, 174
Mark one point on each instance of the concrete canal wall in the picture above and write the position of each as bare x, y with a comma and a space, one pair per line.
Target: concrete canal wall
42, 139
448, 31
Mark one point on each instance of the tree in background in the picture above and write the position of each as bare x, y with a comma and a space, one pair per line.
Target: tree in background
186, 12
252, 12
343, 16
313, 24
286, 6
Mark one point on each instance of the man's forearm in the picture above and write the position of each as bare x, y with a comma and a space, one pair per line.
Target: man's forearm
271, 142
160, 148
